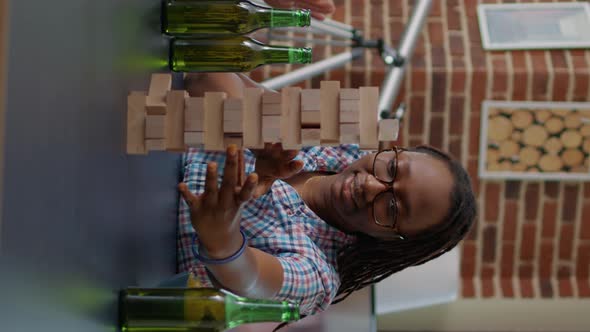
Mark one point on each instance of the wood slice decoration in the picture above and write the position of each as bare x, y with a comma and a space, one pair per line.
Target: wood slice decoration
550, 163
492, 156
509, 148
561, 112
554, 125
571, 138
585, 130
505, 165
532, 169
579, 169
529, 155
522, 119
553, 145
572, 157
535, 135
516, 136
519, 167
573, 120
586, 145
493, 112
542, 115
499, 128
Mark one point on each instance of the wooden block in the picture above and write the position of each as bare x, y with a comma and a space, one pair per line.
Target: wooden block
232, 115
213, 124
155, 144
252, 118
193, 139
155, 126
349, 117
349, 94
349, 139
271, 109
136, 123
352, 105
271, 121
310, 100
232, 104
269, 97
329, 112
271, 135
310, 137
291, 117
160, 84
310, 118
175, 120
369, 97
233, 127
349, 129
229, 139
194, 114
388, 129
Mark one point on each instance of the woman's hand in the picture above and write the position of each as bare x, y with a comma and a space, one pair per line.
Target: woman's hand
215, 213
319, 8
273, 163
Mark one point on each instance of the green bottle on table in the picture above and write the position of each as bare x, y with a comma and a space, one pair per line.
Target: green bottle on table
222, 17
196, 310
230, 54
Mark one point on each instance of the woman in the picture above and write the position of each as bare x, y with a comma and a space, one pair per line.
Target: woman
315, 225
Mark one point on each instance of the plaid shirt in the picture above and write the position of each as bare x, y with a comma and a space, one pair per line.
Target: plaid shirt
280, 224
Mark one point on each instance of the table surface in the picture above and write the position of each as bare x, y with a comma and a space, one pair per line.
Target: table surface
80, 218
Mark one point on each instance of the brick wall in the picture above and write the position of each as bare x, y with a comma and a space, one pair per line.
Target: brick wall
532, 238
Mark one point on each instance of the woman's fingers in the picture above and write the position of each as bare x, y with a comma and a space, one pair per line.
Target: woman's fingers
277, 150
230, 176
248, 189
211, 190
191, 199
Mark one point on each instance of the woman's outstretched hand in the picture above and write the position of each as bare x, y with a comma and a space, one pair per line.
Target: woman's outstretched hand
319, 8
273, 163
214, 214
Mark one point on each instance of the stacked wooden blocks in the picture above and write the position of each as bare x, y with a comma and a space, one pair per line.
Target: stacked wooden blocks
171, 120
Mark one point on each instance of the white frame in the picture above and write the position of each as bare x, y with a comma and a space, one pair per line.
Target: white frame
489, 45
512, 175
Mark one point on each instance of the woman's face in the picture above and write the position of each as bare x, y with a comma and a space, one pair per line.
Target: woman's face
422, 189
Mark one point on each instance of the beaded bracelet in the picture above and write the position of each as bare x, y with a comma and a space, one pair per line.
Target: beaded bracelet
212, 261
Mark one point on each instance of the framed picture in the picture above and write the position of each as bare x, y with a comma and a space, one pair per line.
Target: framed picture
535, 140
534, 25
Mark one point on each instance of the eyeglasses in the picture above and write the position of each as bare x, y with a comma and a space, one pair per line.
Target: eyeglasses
385, 204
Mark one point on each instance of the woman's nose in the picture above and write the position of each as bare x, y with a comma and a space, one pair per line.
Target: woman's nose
373, 187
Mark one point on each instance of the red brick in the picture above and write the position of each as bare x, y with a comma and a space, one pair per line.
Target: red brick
474, 125
453, 17
357, 79
519, 90
436, 9
470, 9
456, 45
507, 260
551, 189
564, 272
581, 82
546, 288
500, 78
507, 287
587, 190
545, 261
489, 244
420, 50
418, 78
478, 89
415, 141
487, 272
558, 60
435, 33
560, 86
527, 245
458, 78
531, 201
583, 288
512, 189
566, 289
455, 148
519, 61
468, 288
538, 61
583, 261
457, 107
438, 57
439, 91
585, 222
492, 201
527, 290
468, 259
566, 239
570, 202
416, 115
487, 287
549, 219
510, 220
472, 170
437, 131
540, 86
478, 58
396, 8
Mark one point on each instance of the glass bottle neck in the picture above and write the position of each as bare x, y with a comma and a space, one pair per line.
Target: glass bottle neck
275, 18
242, 311
278, 54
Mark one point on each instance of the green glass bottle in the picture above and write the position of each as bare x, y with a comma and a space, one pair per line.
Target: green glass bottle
230, 54
196, 310
223, 17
